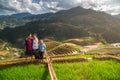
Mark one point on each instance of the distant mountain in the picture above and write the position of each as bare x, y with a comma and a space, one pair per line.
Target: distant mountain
20, 19
1, 16
73, 23
21, 15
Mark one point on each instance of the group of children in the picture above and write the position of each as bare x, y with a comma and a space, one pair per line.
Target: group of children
34, 46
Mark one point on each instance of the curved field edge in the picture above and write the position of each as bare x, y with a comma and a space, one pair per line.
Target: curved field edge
24, 72
94, 70
65, 48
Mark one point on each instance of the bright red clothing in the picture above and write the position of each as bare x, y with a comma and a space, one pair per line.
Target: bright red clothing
30, 44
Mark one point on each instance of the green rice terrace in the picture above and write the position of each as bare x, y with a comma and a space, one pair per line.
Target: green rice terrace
94, 70
24, 72
67, 60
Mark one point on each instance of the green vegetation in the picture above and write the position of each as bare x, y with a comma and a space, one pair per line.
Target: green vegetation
95, 70
10, 55
24, 72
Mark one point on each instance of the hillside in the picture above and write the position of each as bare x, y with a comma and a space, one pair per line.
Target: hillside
74, 23
91, 22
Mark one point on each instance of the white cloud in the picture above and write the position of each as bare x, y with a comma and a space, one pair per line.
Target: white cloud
108, 6
43, 6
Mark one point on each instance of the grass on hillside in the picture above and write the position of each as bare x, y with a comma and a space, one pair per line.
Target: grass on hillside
94, 70
24, 72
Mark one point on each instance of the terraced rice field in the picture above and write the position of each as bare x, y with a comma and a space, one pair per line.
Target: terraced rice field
24, 72
95, 70
92, 70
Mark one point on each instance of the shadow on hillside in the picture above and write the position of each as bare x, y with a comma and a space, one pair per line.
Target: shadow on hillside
45, 74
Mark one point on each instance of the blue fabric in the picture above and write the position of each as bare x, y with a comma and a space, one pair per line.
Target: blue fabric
42, 47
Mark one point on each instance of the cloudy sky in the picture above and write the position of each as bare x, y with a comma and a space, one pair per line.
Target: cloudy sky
8, 7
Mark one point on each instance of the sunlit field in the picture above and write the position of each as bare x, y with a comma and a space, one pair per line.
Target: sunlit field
95, 70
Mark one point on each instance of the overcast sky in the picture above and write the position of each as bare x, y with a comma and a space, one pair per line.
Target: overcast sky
8, 7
